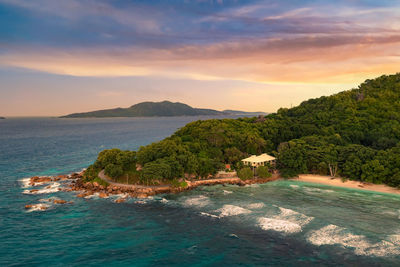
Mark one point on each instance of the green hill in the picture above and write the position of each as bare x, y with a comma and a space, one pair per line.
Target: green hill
148, 109
356, 132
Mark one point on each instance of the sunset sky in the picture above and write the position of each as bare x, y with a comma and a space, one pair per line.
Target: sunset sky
59, 57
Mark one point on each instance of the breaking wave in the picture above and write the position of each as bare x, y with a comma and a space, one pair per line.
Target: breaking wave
287, 221
231, 210
335, 235
38, 207
226, 192
46, 190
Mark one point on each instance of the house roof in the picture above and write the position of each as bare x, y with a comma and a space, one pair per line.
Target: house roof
261, 158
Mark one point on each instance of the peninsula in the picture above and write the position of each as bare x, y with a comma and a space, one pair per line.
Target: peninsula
157, 109
353, 134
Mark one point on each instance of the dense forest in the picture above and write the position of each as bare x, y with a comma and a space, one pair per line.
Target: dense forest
354, 133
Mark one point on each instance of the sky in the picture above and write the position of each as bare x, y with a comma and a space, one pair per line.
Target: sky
60, 57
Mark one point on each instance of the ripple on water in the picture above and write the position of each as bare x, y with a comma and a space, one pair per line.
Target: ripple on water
198, 201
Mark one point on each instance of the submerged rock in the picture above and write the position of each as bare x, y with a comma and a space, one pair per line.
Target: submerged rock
103, 195
120, 200
59, 201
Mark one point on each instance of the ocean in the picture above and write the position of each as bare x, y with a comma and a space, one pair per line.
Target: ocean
281, 223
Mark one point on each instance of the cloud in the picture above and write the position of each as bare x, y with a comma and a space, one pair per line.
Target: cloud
267, 42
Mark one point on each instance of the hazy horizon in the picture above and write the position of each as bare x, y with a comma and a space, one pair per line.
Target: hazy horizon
62, 57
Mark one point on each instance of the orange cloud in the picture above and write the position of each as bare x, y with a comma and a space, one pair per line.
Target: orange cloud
278, 60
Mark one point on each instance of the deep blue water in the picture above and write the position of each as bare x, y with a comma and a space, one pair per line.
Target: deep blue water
282, 223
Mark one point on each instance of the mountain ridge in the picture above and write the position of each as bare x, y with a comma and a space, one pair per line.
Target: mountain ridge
156, 109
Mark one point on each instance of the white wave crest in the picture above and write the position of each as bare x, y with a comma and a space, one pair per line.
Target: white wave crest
317, 190
287, 221
200, 201
25, 182
226, 192
209, 215
231, 210
335, 235
94, 195
279, 225
46, 190
163, 200
256, 205
294, 186
38, 207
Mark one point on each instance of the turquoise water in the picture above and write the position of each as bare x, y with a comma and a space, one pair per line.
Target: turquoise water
283, 223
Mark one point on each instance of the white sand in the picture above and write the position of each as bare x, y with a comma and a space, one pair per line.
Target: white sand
320, 179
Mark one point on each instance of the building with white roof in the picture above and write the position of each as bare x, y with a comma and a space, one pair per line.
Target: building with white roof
261, 160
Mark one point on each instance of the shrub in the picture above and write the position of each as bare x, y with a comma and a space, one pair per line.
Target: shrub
176, 183
245, 173
263, 172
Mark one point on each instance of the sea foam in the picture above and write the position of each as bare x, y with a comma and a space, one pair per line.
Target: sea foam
231, 210
38, 207
226, 192
46, 190
287, 221
335, 235
25, 182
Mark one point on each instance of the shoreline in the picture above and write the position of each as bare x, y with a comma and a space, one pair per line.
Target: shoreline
337, 181
142, 191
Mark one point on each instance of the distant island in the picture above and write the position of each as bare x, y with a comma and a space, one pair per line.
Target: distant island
157, 109
245, 113
2, 118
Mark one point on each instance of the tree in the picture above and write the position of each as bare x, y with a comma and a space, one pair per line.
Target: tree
155, 171
263, 172
114, 171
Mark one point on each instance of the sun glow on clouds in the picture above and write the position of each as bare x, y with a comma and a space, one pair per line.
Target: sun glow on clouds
259, 42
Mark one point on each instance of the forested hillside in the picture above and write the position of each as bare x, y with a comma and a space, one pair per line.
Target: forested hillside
148, 109
356, 132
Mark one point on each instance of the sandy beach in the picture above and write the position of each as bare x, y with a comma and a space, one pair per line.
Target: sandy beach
327, 180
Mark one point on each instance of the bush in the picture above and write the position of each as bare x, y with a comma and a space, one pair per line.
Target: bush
263, 172
176, 183
288, 173
245, 173
114, 171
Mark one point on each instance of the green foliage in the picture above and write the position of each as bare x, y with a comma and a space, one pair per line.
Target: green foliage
113, 170
357, 130
153, 171
263, 172
178, 184
91, 173
245, 173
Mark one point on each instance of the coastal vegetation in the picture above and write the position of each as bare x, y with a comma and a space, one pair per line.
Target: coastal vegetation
354, 134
